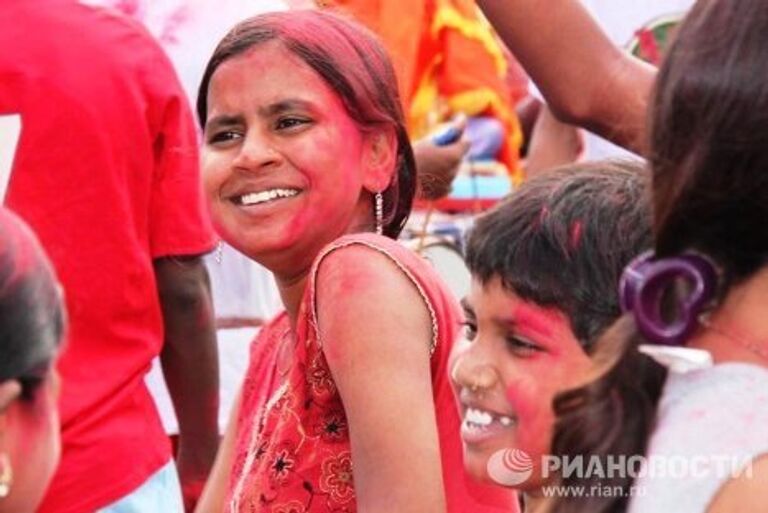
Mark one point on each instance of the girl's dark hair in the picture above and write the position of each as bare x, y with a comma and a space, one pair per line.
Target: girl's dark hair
352, 61
564, 238
709, 161
31, 310
709, 139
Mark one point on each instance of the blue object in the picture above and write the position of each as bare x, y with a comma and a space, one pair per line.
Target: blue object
160, 492
486, 136
485, 187
448, 136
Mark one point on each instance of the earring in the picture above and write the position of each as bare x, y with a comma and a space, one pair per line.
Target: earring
6, 475
219, 252
379, 213
642, 287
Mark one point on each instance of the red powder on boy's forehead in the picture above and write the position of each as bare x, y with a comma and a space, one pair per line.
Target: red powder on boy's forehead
537, 320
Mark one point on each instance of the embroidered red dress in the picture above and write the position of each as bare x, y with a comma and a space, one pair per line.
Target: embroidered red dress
292, 450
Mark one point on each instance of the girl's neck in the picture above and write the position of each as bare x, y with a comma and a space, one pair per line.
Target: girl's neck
291, 290
739, 327
291, 284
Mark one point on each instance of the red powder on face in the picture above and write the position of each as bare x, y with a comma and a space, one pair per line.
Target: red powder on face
518, 396
531, 407
536, 320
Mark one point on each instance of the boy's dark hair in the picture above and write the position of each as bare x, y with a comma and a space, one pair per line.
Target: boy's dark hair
564, 238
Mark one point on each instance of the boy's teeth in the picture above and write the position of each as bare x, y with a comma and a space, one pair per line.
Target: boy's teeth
255, 198
479, 418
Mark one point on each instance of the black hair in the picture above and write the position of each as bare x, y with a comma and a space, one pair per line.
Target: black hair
709, 139
564, 238
31, 309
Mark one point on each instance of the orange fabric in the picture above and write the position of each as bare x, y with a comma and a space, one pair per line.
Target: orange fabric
472, 76
448, 61
400, 24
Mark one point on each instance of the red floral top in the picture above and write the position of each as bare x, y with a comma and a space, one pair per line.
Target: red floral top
292, 446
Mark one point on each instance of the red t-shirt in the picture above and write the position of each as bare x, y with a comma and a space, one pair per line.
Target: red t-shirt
106, 173
292, 449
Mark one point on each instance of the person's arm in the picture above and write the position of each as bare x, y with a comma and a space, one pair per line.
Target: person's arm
190, 366
747, 492
438, 163
376, 331
552, 144
585, 79
527, 111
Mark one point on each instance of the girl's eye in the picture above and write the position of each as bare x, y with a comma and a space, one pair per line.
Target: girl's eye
470, 330
223, 136
289, 123
522, 347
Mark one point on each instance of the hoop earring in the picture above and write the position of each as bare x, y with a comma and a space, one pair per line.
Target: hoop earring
642, 288
6, 475
379, 212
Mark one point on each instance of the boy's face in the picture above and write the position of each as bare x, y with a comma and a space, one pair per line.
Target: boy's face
514, 358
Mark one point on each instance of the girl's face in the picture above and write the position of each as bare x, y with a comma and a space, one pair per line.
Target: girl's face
286, 169
515, 358
29, 434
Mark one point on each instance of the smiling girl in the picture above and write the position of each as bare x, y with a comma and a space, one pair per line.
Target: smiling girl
308, 170
545, 266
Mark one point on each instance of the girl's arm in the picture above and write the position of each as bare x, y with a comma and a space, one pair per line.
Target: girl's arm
376, 332
748, 492
584, 77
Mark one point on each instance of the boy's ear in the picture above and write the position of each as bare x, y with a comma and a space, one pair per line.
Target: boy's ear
380, 158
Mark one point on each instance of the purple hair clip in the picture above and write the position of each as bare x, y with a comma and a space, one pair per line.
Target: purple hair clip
642, 287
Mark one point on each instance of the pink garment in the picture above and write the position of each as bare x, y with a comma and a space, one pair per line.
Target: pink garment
292, 446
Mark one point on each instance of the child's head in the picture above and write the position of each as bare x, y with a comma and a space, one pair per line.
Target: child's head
545, 266
31, 327
303, 124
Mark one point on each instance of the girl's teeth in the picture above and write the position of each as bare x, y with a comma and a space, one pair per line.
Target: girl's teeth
255, 198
